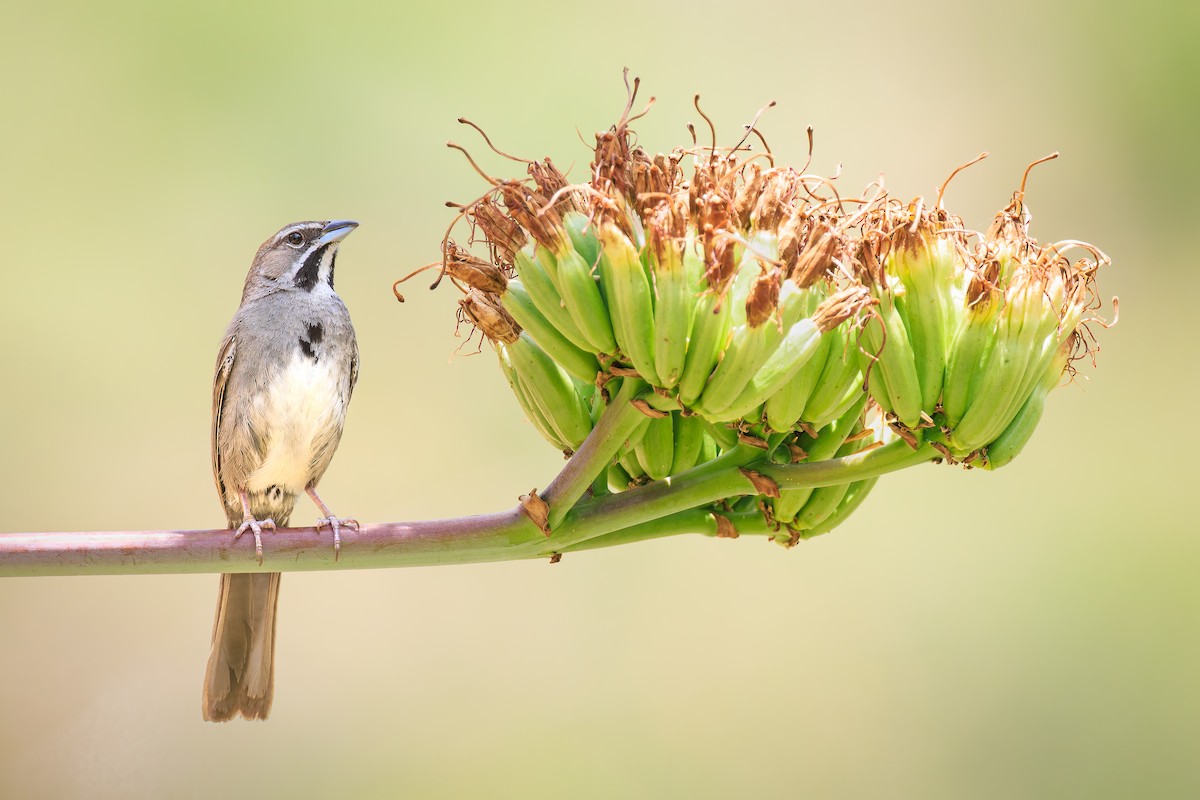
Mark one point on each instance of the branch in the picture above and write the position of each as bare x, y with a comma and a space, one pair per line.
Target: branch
618, 422
664, 508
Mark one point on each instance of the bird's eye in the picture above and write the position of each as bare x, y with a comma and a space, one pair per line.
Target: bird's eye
295, 238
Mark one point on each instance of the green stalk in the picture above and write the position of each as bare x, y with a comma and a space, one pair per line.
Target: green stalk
860, 466
721, 479
695, 520
614, 427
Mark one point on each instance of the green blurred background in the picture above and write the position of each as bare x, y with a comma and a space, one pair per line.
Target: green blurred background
1029, 633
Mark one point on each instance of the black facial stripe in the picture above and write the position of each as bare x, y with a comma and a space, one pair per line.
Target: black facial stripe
332, 264
306, 276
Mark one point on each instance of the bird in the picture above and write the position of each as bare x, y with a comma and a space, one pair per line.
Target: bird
285, 372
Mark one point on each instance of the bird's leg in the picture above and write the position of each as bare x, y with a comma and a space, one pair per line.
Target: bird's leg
330, 521
249, 523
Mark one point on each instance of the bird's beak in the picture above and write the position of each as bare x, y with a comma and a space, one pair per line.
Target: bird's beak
336, 230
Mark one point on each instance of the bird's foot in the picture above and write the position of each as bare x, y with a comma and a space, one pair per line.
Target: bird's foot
335, 524
256, 527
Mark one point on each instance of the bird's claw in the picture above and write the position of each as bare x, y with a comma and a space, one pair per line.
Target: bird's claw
255, 526
336, 525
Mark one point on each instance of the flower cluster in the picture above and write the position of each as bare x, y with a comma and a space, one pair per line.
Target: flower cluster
761, 308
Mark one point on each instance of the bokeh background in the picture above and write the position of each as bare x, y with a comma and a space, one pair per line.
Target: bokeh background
1029, 633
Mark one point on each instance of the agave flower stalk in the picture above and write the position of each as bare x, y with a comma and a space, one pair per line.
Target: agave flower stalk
763, 319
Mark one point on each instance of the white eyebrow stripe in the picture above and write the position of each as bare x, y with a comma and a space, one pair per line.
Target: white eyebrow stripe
303, 226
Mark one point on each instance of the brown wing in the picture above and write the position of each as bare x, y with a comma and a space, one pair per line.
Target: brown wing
353, 371
224, 367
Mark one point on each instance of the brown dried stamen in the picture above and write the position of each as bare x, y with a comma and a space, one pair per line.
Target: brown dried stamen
486, 313
840, 307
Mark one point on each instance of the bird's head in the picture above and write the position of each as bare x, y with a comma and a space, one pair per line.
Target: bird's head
300, 257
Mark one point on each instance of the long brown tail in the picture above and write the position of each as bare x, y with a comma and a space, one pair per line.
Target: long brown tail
240, 678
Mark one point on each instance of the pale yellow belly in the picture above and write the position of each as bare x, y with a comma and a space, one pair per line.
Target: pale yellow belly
297, 418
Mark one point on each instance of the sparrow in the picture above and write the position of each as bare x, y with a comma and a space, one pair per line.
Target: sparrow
284, 376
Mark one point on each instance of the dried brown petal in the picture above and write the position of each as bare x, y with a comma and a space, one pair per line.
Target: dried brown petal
714, 223
714, 211
610, 174
762, 484
774, 202
666, 229
647, 175
747, 195
647, 409
792, 233
984, 281
868, 268
669, 166
763, 298
486, 313
474, 272
720, 266
537, 510
725, 527
1011, 224
529, 208
816, 259
550, 181
502, 233
840, 307
751, 440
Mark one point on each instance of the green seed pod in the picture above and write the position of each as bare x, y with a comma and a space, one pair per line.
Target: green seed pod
1008, 445
630, 301
580, 363
656, 449
689, 434
551, 390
